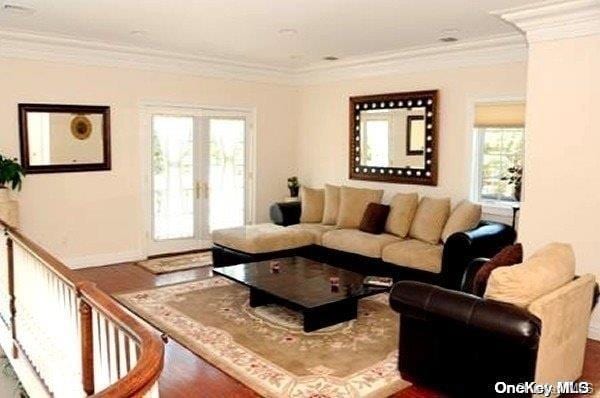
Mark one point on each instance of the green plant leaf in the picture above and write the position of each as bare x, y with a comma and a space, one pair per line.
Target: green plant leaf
11, 173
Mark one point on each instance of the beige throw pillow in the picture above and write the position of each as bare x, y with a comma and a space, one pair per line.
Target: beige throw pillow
430, 219
353, 203
548, 269
312, 204
332, 204
465, 216
402, 211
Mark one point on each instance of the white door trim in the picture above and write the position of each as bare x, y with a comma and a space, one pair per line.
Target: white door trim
146, 109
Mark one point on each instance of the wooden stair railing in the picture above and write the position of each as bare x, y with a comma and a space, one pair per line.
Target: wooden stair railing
141, 378
78, 341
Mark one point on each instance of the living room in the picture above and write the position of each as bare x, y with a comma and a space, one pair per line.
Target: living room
287, 84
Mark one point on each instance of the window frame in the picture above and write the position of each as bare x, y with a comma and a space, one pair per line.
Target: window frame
478, 158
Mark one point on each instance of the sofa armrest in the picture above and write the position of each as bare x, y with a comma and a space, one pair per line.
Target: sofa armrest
285, 213
466, 284
462, 247
492, 318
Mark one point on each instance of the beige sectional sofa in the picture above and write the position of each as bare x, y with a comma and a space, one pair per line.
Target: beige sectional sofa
413, 242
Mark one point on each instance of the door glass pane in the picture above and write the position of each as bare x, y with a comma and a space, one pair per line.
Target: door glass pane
173, 177
227, 173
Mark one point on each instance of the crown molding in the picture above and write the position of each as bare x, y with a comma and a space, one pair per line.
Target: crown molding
34, 46
554, 20
489, 51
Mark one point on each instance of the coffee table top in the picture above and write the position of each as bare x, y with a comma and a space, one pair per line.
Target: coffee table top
300, 281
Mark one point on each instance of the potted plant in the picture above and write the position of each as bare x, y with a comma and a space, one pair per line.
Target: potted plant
293, 186
11, 176
514, 177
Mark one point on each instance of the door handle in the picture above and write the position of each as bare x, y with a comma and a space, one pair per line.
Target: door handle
206, 188
197, 188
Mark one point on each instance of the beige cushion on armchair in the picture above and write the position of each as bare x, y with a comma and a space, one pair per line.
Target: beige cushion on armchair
353, 202
547, 269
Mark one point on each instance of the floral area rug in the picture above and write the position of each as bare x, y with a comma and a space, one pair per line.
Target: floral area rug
163, 265
266, 348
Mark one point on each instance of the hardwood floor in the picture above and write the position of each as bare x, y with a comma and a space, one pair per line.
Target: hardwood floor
187, 375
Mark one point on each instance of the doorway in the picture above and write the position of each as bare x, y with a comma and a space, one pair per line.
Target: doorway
199, 176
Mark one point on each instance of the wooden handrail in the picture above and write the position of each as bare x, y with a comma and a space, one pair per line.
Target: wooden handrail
55, 265
150, 363
148, 368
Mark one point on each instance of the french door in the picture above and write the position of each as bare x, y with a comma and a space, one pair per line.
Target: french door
199, 176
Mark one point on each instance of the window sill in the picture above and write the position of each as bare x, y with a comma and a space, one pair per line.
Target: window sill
498, 208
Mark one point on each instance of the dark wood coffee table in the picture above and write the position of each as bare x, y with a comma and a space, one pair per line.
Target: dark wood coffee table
303, 285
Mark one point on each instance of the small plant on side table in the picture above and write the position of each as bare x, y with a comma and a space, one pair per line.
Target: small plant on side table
293, 186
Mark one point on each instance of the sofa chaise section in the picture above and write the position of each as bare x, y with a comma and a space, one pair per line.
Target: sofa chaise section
258, 242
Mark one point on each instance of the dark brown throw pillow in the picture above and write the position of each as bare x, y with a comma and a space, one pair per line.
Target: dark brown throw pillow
510, 255
374, 218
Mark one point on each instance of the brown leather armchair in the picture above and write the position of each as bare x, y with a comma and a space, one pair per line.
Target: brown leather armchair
463, 344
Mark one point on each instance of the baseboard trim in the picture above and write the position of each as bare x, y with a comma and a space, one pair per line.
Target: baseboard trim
96, 260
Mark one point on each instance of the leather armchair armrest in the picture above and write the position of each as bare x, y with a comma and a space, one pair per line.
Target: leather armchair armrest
462, 247
501, 320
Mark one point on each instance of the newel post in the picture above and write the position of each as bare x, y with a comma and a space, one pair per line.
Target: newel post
10, 256
87, 347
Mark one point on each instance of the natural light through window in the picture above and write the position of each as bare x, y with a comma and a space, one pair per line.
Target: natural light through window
499, 163
227, 171
173, 177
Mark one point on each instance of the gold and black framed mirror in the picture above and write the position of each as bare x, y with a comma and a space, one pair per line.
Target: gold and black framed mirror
393, 137
64, 138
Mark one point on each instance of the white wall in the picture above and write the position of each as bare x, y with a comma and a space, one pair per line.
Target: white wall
561, 198
100, 214
323, 124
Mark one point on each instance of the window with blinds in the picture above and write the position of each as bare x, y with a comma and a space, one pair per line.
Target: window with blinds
499, 142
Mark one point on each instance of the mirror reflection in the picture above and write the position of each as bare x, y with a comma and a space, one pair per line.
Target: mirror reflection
60, 138
64, 138
393, 137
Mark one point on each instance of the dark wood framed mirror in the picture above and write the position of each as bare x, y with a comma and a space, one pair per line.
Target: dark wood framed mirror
393, 137
64, 138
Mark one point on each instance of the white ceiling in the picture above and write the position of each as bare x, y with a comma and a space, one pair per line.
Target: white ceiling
247, 30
